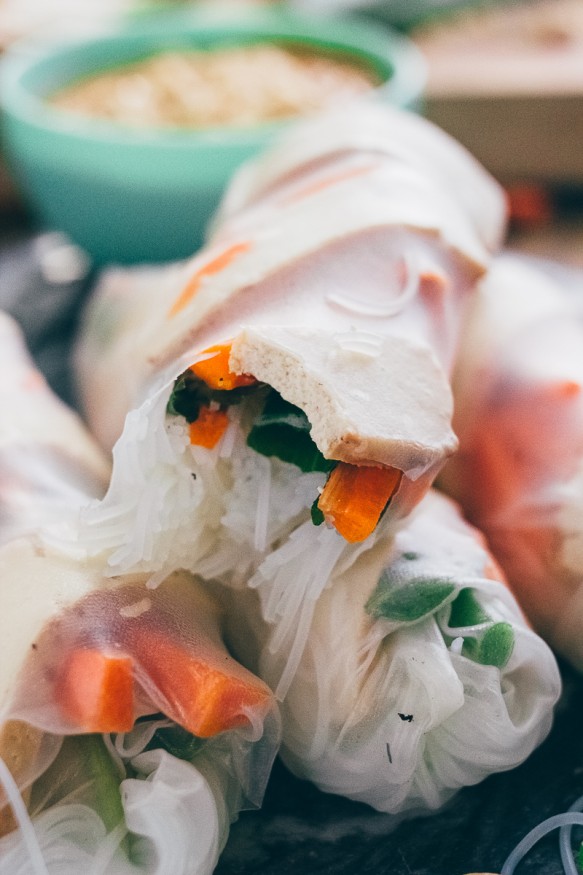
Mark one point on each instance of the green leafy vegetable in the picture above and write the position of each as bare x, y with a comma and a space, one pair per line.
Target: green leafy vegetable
466, 610
494, 647
177, 741
316, 513
408, 602
102, 768
283, 430
190, 394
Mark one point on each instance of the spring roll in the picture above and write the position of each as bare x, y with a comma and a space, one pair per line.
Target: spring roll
419, 675
126, 728
519, 416
298, 368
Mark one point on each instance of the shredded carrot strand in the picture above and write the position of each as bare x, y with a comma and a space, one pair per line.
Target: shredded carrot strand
97, 691
215, 371
328, 181
354, 498
211, 268
208, 428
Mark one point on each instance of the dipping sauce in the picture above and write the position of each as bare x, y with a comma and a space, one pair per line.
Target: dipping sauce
237, 86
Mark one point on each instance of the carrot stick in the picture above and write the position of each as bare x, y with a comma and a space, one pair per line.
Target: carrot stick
208, 428
212, 267
354, 498
205, 694
96, 691
215, 371
328, 181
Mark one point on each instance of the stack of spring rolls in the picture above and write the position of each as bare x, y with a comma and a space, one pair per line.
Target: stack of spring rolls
279, 408
127, 730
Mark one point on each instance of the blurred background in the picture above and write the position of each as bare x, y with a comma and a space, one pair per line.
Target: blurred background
504, 78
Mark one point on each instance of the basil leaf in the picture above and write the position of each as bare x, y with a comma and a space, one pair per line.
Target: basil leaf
493, 648
190, 394
186, 399
283, 430
406, 603
177, 741
316, 513
466, 610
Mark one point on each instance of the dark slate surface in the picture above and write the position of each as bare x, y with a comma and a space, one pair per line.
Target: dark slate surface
299, 829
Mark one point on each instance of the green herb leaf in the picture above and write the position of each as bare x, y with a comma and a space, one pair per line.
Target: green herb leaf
316, 513
84, 759
177, 741
406, 603
283, 430
466, 610
494, 647
190, 394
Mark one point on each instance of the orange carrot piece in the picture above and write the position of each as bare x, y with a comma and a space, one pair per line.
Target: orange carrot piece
204, 694
208, 429
97, 691
354, 498
212, 267
328, 181
215, 371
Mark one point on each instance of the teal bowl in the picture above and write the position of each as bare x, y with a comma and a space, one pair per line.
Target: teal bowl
128, 195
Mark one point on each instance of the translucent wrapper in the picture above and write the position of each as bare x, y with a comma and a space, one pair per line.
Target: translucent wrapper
47, 459
419, 675
519, 417
363, 244
127, 730
334, 285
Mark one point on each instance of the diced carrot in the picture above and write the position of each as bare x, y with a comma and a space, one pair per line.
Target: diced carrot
209, 269
215, 371
205, 694
97, 691
208, 429
354, 498
328, 181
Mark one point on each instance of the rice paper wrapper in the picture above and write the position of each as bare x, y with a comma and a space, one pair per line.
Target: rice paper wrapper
519, 416
369, 264
405, 137
80, 648
171, 814
344, 293
419, 674
48, 461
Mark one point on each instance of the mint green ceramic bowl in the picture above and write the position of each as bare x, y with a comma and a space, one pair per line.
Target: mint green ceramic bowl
130, 195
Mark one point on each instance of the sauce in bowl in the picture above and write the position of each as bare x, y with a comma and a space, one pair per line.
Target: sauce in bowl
234, 86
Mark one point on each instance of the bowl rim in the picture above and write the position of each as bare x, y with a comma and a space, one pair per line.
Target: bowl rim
403, 87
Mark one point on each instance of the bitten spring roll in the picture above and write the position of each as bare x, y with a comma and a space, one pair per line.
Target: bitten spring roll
296, 371
128, 730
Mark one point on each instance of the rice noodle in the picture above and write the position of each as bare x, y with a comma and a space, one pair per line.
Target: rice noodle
26, 827
387, 308
567, 819
569, 864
